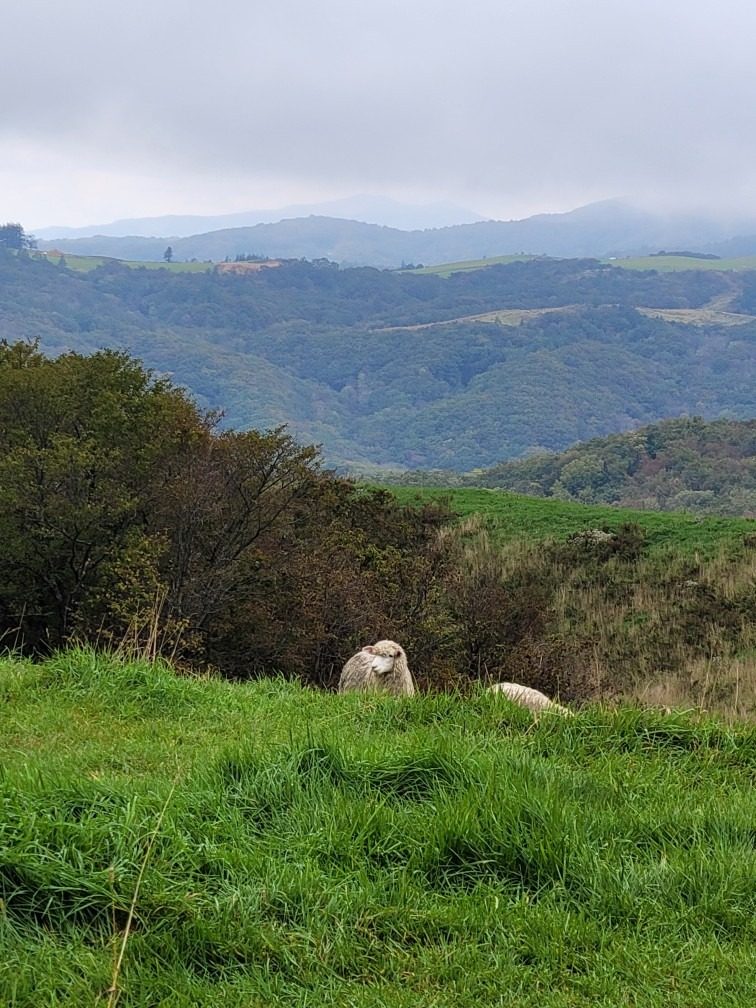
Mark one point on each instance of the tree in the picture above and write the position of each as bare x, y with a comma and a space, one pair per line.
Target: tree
13, 236
168, 254
85, 443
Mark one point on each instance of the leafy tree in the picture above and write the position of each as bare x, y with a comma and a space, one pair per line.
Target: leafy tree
85, 443
125, 515
168, 254
13, 236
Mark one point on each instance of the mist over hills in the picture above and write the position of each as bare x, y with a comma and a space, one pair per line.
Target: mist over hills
366, 209
605, 229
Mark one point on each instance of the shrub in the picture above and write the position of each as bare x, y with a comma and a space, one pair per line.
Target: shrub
127, 517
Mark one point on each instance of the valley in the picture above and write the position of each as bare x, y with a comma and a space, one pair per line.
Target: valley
390, 370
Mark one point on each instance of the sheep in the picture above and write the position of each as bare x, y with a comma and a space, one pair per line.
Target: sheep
378, 668
524, 696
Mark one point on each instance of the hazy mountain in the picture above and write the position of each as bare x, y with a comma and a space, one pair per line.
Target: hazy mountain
366, 209
740, 245
599, 229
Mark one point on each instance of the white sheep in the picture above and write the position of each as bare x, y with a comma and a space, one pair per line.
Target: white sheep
378, 668
525, 696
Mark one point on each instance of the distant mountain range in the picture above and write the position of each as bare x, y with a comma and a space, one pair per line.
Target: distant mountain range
605, 229
365, 209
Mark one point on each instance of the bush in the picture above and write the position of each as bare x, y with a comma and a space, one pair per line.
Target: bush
127, 518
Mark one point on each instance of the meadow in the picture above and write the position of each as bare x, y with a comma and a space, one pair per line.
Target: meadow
446, 269
515, 517
673, 263
84, 264
189, 842
662, 263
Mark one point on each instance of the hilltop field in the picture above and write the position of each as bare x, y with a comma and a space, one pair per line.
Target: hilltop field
662, 263
189, 842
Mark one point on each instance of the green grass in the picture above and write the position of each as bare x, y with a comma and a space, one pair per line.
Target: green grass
517, 517
173, 267
446, 269
666, 264
84, 264
304, 849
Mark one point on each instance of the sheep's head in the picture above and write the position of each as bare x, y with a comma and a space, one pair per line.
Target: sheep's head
384, 656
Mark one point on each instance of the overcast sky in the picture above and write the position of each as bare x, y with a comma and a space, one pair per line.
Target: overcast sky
121, 108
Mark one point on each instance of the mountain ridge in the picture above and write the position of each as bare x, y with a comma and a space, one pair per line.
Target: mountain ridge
599, 230
365, 208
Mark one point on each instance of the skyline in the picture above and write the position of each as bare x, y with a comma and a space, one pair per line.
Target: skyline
505, 108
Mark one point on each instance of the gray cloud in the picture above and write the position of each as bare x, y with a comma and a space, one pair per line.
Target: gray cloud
509, 106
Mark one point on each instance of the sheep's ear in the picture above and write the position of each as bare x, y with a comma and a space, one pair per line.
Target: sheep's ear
369, 648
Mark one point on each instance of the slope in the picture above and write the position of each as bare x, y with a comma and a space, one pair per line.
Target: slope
673, 465
348, 356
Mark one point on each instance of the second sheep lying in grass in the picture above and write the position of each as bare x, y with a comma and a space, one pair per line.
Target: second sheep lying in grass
532, 699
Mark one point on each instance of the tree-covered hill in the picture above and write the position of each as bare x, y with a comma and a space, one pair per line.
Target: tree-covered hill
680, 464
394, 369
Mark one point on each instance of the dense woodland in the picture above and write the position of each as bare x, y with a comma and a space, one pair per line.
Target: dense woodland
335, 353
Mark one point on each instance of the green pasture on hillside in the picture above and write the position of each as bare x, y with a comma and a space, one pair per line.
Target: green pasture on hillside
191, 843
173, 267
446, 269
666, 264
533, 518
82, 263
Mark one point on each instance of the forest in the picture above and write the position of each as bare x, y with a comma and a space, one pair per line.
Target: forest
390, 369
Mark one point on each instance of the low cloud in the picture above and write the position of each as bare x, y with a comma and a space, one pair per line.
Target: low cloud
507, 106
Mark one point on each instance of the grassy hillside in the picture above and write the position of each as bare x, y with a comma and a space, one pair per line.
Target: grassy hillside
671, 263
195, 843
663, 264
660, 263
516, 517
662, 610
85, 263
446, 269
